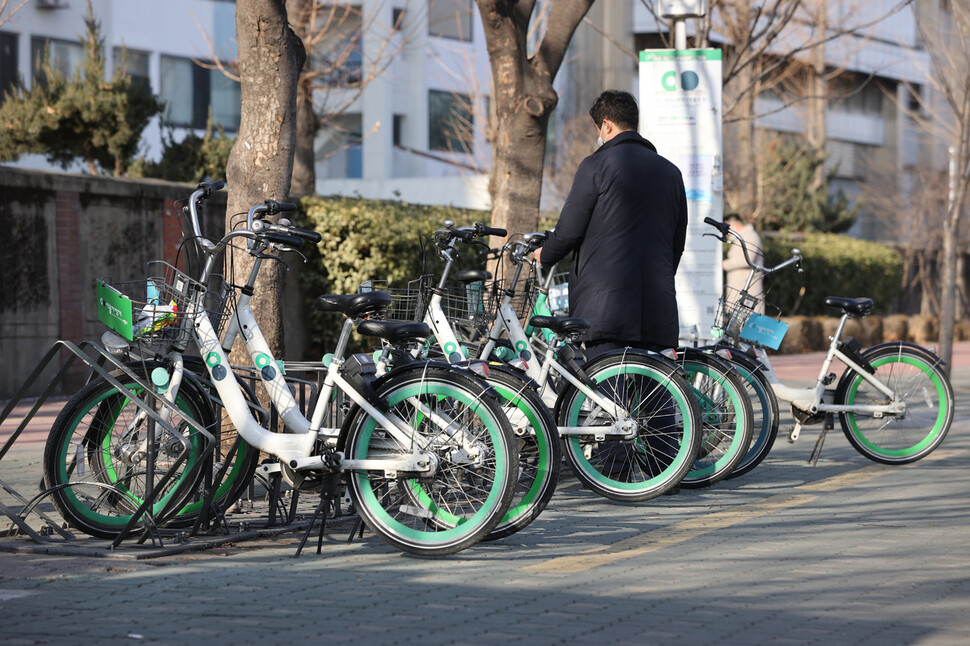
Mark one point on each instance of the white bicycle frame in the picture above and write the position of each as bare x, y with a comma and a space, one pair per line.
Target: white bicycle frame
818, 398
295, 445
539, 370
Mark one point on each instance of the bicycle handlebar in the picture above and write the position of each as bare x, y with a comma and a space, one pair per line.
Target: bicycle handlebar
726, 231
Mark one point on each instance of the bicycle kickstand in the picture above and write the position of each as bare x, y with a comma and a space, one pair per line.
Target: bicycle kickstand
817, 451
329, 496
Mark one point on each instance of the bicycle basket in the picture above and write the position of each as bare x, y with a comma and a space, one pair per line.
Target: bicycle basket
737, 319
158, 311
407, 303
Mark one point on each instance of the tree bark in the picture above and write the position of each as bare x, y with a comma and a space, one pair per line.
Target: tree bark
817, 89
304, 158
948, 278
261, 161
522, 99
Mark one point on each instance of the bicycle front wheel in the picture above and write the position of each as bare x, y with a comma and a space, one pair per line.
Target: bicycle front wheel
97, 461
667, 418
917, 379
465, 430
726, 417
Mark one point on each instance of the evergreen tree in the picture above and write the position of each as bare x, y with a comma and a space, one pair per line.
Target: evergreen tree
789, 201
84, 118
192, 159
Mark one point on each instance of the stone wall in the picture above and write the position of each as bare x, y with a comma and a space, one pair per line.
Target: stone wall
63, 232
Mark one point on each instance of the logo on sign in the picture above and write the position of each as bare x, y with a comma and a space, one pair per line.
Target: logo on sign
687, 81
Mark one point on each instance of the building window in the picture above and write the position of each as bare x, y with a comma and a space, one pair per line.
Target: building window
8, 62
450, 19
189, 91
63, 55
338, 55
397, 129
450, 121
135, 65
340, 145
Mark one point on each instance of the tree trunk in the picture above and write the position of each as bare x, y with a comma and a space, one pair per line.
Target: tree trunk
261, 161
304, 158
746, 158
948, 274
817, 89
522, 99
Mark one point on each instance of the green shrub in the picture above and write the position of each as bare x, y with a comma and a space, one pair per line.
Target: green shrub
366, 240
834, 266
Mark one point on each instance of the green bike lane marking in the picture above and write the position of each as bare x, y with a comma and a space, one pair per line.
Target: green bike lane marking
685, 530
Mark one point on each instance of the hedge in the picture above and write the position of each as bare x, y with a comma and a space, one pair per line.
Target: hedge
834, 265
367, 240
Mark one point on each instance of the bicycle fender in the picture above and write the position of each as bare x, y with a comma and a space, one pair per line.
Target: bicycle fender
909, 346
918, 349
420, 366
518, 374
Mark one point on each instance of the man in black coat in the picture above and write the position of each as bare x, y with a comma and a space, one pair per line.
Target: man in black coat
626, 221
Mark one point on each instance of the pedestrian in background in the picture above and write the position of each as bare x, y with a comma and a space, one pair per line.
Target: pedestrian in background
736, 269
625, 220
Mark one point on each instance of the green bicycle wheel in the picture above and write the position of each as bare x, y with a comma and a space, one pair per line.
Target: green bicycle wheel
726, 417
667, 419
96, 461
539, 448
917, 379
468, 492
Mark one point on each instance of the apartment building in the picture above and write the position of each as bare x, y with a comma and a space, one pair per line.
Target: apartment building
415, 128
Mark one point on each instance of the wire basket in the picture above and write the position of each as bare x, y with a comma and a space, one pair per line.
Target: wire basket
157, 312
735, 310
464, 304
407, 303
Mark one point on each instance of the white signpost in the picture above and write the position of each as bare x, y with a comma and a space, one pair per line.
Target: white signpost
680, 112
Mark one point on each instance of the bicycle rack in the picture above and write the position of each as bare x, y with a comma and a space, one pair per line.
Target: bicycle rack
96, 358
282, 511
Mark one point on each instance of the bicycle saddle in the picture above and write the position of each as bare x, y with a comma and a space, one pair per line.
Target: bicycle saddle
855, 306
395, 331
560, 325
471, 275
353, 304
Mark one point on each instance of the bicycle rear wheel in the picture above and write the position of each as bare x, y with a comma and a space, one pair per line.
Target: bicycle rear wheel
539, 448
764, 406
469, 492
917, 378
725, 413
668, 425
96, 457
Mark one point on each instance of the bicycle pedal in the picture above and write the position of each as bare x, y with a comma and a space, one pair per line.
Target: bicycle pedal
794, 433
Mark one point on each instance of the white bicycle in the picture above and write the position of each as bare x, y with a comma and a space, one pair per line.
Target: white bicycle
426, 451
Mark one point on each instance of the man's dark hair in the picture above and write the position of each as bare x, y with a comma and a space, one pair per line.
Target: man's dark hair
733, 216
619, 107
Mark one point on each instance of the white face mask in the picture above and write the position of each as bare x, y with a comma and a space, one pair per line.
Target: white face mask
599, 139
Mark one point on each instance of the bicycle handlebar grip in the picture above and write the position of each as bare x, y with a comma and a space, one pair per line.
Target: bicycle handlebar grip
273, 207
283, 239
310, 236
491, 231
720, 226
209, 188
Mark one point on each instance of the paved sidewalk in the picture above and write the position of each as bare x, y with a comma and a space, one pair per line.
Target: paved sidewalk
844, 552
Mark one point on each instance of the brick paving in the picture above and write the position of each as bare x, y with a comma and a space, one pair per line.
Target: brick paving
844, 552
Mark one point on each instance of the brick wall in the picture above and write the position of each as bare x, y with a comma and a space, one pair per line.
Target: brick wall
63, 233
